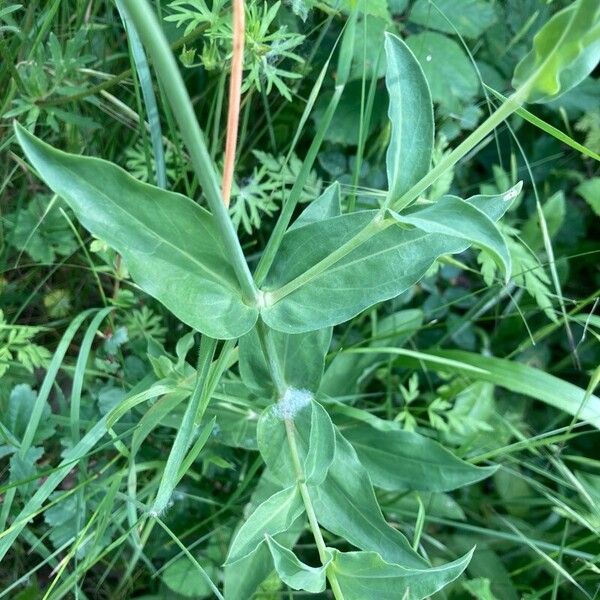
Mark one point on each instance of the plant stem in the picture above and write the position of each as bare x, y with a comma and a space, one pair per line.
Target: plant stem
235, 92
506, 109
343, 69
378, 223
374, 226
287, 210
272, 358
166, 67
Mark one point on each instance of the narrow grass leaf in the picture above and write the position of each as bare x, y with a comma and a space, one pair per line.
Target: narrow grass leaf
180, 446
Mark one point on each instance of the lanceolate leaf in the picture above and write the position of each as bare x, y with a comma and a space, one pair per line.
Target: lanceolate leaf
273, 516
455, 217
565, 51
243, 577
411, 116
170, 245
294, 573
403, 460
313, 433
346, 505
389, 260
366, 576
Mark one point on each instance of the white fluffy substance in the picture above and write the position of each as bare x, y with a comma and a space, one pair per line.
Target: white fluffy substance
293, 401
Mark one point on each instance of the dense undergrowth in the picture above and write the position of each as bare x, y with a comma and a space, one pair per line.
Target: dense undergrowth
462, 404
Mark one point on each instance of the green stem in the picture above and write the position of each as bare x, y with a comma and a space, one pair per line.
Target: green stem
287, 210
343, 71
279, 381
184, 434
504, 111
379, 223
166, 67
373, 227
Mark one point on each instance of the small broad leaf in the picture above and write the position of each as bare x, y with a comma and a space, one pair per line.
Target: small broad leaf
327, 205
295, 573
473, 18
366, 576
403, 460
302, 358
455, 217
345, 504
23, 468
312, 430
16, 415
411, 115
273, 516
565, 51
182, 577
307, 289
170, 245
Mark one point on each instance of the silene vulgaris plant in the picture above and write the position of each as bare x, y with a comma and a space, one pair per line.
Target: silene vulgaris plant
319, 269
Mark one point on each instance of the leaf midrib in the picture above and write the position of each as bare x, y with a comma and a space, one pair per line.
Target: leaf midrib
216, 277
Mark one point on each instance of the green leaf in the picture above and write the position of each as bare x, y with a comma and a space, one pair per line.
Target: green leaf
554, 210
23, 468
452, 79
327, 205
273, 516
348, 369
411, 115
345, 124
366, 576
243, 577
389, 261
65, 518
182, 577
471, 19
294, 573
302, 358
565, 51
41, 230
369, 59
480, 588
455, 217
521, 379
170, 245
312, 430
403, 460
345, 504
590, 191
16, 415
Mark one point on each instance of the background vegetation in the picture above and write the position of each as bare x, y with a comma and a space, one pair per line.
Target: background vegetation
70, 72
